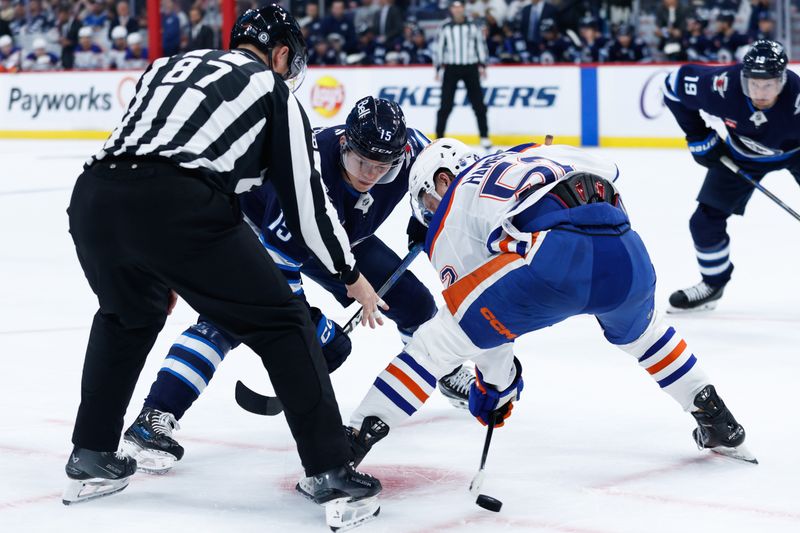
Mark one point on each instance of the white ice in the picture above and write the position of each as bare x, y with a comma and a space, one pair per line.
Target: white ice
593, 447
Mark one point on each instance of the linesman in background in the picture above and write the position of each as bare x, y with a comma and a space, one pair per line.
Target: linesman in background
154, 213
460, 52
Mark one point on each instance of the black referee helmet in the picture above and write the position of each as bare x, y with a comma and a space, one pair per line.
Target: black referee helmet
268, 26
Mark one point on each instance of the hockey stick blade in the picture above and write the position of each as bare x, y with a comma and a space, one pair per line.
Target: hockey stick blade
256, 403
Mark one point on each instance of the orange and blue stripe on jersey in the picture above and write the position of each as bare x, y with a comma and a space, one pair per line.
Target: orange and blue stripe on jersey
406, 383
667, 359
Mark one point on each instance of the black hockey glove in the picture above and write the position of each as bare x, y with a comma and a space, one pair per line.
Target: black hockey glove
708, 149
416, 231
485, 398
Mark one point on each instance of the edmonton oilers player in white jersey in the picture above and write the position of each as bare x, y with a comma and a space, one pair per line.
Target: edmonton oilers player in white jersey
759, 103
364, 165
523, 240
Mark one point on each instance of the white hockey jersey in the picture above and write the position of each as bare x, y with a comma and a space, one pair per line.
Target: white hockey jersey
474, 221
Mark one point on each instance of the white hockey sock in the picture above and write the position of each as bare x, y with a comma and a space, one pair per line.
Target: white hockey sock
664, 355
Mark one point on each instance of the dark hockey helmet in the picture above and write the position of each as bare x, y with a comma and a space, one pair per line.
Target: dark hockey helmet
375, 133
765, 60
270, 25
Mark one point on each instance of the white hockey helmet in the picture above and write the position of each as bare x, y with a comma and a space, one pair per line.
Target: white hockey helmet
444, 153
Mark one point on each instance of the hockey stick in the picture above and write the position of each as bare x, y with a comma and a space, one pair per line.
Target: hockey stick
487, 502
387, 285
259, 404
733, 167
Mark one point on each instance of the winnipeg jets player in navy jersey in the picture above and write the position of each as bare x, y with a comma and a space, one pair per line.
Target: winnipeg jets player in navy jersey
759, 103
364, 165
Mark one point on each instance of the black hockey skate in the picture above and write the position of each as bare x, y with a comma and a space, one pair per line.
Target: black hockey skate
96, 474
349, 496
455, 386
717, 430
149, 441
372, 430
700, 297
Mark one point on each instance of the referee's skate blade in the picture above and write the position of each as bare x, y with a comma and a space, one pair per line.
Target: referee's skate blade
740, 453
343, 515
79, 491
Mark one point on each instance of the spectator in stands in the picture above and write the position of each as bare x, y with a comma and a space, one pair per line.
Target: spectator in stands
336, 43
388, 23
698, 47
727, 40
369, 50
10, 55
341, 23
38, 21
628, 48
137, 57
40, 59
97, 18
320, 52
88, 55
509, 48
554, 47
123, 18
670, 21
529, 21
201, 37
417, 48
18, 21
67, 26
593, 44
364, 14
115, 57
171, 28
765, 28
311, 23
6, 12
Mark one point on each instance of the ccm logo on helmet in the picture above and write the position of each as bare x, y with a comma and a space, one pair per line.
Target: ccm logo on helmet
496, 324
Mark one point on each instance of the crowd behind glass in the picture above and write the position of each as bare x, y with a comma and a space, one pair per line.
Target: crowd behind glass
108, 34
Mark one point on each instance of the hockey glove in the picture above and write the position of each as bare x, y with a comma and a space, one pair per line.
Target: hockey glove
707, 150
416, 232
484, 398
336, 345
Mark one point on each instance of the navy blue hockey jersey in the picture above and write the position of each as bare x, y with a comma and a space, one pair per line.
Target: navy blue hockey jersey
359, 213
768, 136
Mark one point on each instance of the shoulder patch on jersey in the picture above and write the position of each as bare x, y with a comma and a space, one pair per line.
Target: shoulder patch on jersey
720, 84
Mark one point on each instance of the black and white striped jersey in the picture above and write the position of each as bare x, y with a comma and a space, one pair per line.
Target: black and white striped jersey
226, 115
459, 44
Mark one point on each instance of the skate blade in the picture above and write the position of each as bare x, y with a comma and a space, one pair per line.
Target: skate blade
710, 306
152, 462
740, 453
84, 490
303, 492
343, 514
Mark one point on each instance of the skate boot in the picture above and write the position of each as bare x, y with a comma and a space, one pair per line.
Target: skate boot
700, 297
455, 386
96, 474
149, 441
349, 497
372, 430
717, 430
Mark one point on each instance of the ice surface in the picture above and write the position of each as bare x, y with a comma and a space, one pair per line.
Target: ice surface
593, 446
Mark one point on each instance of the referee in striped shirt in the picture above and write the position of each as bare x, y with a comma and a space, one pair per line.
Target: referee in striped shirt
461, 53
155, 213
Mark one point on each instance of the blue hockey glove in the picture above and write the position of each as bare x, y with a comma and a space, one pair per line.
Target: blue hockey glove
708, 149
336, 345
416, 231
484, 398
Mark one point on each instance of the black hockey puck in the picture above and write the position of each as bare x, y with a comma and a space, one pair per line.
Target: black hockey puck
489, 503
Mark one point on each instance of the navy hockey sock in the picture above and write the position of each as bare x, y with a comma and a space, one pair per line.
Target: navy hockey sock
188, 368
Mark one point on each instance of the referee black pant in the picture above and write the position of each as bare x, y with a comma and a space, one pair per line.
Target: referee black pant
472, 80
143, 228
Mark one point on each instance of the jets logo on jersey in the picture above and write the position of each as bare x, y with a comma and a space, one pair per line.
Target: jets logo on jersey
758, 148
364, 202
758, 118
720, 84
